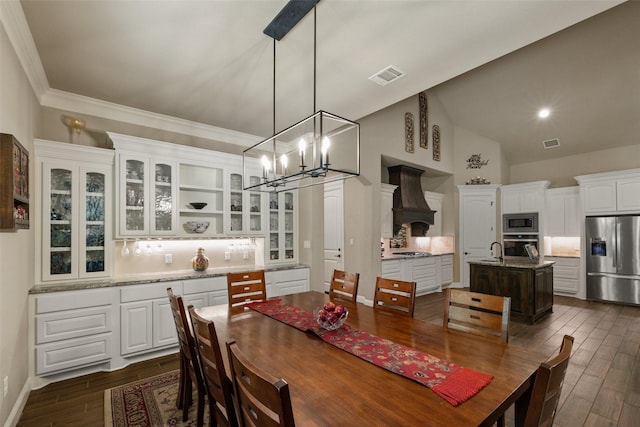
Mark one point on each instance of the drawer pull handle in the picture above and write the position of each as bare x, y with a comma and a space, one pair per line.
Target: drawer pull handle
476, 299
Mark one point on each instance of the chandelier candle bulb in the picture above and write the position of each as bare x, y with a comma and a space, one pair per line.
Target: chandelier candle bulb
324, 159
265, 167
283, 162
301, 146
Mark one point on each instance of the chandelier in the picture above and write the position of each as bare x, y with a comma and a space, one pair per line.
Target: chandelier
321, 148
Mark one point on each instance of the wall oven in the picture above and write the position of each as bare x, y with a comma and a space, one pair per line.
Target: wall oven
513, 244
520, 223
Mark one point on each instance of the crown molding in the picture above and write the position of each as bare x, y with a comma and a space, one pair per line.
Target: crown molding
15, 24
54, 98
17, 28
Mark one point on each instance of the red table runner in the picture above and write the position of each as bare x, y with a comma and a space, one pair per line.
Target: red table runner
453, 383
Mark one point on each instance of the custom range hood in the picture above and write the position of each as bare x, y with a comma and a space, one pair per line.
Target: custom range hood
409, 205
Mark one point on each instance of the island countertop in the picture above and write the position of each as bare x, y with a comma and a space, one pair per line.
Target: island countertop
515, 262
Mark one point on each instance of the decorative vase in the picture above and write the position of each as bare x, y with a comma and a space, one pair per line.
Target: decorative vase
200, 262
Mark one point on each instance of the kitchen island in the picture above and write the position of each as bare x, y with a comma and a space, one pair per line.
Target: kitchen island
528, 283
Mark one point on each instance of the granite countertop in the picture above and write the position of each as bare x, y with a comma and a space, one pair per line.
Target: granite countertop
515, 262
412, 254
154, 278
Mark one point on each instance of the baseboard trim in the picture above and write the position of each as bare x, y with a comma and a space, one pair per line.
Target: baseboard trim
16, 411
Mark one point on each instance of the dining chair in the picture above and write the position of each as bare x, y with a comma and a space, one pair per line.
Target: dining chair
262, 399
190, 372
395, 295
344, 285
246, 287
218, 385
545, 394
477, 313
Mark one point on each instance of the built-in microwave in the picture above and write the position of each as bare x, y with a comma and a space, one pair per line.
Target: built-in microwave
520, 223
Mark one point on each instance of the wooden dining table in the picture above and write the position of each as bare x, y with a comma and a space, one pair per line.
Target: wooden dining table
332, 387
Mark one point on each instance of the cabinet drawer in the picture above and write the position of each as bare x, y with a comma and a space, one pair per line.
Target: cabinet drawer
73, 324
72, 300
566, 272
446, 260
209, 284
292, 287
290, 275
149, 291
71, 354
391, 269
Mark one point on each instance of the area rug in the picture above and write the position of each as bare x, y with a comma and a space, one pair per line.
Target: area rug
150, 402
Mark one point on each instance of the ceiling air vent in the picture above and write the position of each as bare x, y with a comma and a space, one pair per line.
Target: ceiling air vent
551, 143
387, 75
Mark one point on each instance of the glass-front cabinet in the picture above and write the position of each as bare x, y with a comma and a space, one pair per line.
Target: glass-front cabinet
245, 207
282, 227
76, 215
147, 196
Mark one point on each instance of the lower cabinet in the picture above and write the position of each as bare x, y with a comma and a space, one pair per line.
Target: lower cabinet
205, 292
429, 273
285, 282
530, 290
73, 330
566, 275
146, 322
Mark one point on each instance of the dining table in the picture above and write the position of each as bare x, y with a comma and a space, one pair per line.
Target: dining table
333, 387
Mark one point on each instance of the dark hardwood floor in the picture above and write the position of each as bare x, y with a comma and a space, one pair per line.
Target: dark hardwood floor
602, 386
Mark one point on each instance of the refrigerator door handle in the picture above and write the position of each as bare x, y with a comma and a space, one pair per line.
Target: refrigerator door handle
615, 276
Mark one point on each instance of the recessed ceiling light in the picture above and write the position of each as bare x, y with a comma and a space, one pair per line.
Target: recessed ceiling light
544, 113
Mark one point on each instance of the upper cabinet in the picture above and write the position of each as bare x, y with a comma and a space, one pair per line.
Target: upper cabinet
14, 184
523, 198
386, 213
146, 196
282, 227
610, 192
434, 200
76, 216
245, 207
201, 200
562, 212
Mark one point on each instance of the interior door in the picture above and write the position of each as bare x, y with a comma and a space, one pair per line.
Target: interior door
478, 229
333, 230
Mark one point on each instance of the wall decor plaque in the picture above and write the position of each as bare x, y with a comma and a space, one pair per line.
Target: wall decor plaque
408, 133
436, 142
424, 120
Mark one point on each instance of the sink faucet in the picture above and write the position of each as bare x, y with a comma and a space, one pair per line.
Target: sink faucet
501, 257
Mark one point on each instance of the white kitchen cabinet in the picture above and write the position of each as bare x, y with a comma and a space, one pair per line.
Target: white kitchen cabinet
422, 270
201, 184
283, 222
562, 212
566, 275
434, 200
610, 192
205, 292
73, 330
146, 322
523, 198
285, 282
386, 212
75, 218
245, 207
445, 269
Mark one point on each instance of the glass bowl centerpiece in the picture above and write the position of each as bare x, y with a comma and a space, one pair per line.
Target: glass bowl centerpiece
331, 316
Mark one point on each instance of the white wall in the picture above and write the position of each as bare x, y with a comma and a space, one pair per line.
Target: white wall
19, 110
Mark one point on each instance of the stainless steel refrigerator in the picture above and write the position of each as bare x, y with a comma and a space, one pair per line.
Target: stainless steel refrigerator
613, 258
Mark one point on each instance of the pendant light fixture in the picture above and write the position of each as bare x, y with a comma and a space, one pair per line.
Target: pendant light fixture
318, 149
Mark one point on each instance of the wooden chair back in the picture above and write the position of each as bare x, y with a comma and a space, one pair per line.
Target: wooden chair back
219, 387
262, 399
547, 387
190, 372
246, 287
344, 285
395, 295
481, 314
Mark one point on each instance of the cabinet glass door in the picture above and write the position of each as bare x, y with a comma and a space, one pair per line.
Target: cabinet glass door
236, 206
134, 196
289, 252
274, 228
164, 208
255, 206
94, 229
61, 240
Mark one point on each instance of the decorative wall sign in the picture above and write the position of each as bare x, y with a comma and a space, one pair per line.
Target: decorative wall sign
436, 142
476, 162
424, 121
408, 132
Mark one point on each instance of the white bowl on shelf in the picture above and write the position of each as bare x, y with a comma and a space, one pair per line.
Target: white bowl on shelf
196, 226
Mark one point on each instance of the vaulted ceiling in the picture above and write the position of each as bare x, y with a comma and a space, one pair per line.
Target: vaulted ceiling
208, 63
